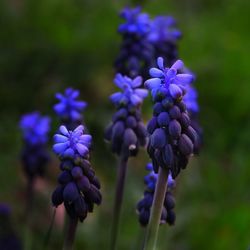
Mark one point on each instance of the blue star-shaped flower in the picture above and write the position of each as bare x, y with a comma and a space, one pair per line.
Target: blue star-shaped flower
35, 128
69, 107
136, 22
168, 79
69, 144
131, 93
163, 28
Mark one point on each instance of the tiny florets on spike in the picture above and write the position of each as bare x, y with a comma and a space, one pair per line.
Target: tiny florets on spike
136, 52
79, 188
145, 204
136, 22
164, 36
131, 91
171, 141
127, 132
69, 108
35, 130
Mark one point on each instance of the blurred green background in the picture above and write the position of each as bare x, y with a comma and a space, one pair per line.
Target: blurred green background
48, 45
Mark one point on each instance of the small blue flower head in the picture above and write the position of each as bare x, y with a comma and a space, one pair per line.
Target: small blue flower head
151, 179
136, 22
163, 28
69, 108
168, 80
190, 99
131, 93
70, 144
35, 128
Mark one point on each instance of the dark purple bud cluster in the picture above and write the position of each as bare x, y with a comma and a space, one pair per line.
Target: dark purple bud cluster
172, 138
79, 188
136, 53
145, 204
127, 131
34, 159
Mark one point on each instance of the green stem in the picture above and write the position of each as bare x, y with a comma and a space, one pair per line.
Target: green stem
156, 210
120, 182
70, 234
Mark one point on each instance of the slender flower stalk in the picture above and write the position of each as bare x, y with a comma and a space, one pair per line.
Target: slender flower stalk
121, 178
79, 188
126, 134
172, 137
155, 216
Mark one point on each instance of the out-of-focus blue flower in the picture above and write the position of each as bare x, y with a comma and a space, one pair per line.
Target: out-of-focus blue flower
136, 22
71, 143
151, 179
190, 99
131, 93
162, 29
35, 128
69, 108
168, 79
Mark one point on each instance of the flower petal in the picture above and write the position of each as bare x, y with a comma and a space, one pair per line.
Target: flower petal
160, 62
154, 72
175, 91
60, 138
177, 65
82, 150
116, 97
137, 82
153, 83
59, 148
141, 92
135, 99
185, 78
64, 130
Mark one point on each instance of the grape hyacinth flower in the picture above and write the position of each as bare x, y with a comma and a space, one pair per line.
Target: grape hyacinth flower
144, 205
126, 133
35, 130
69, 109
171, 136
137, 53
164, 37
78, 188
8, 238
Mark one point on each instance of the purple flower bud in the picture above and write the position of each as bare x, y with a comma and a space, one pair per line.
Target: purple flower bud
144, 217
171, 217
174, 129
175, 112
168, 155
64, 177
120, 114
192, 134
130, 139
94, 195
158, 138
175, 91
81, 208
131, 122
83, 184
167, 103
163, 119
108, 132
182, 106
185, 145
169, 201
184, 120
57, 196
70, 192
95, 181
152, 125
118, 130
76, 172
158, 108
